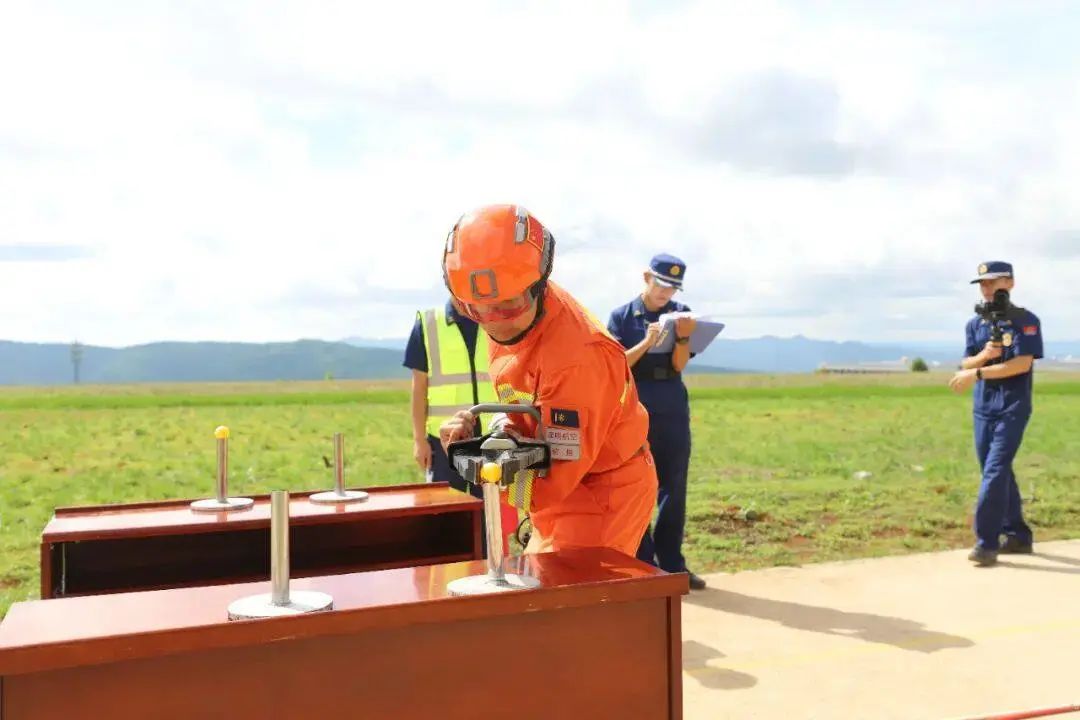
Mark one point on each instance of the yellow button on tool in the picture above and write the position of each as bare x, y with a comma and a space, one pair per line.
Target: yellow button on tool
491, 472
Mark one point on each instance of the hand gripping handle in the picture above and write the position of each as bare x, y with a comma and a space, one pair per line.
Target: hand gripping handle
507, 408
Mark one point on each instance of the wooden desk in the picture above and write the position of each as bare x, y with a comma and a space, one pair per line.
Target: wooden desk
600, 639
120, 548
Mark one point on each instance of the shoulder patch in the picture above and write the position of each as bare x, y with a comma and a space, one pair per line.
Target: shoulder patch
1031, 329
565, 418
563, 434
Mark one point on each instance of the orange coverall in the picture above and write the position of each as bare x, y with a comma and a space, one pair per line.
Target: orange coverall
601, 488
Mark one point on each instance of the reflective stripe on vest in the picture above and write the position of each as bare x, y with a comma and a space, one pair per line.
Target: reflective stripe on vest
450, 378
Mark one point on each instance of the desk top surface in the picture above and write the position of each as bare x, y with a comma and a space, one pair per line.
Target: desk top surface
177, 517
50, 634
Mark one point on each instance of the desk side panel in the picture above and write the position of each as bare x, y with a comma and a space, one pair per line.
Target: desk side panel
164, 561
675, 665
595, 661
48, 568
176, 517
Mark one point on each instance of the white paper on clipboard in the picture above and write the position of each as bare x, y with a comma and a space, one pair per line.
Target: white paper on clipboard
706, 330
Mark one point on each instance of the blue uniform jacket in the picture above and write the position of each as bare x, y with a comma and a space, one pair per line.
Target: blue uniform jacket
659, 396
1022, 336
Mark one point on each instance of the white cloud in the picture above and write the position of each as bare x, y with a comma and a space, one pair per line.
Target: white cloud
258, 171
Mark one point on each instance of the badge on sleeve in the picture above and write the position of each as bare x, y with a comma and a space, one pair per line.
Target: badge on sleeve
563, 434
565, 418
1031, 329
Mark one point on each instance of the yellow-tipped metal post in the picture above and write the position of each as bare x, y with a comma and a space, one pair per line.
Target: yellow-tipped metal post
221, 502
496, 579
491, 474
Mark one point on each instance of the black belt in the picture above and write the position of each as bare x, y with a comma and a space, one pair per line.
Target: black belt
655, 373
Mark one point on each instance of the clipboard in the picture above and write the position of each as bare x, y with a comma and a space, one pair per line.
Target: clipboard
705, 332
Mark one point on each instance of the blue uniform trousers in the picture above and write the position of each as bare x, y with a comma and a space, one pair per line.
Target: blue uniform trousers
669, 439
999, 511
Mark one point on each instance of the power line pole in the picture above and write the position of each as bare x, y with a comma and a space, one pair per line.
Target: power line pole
76, 358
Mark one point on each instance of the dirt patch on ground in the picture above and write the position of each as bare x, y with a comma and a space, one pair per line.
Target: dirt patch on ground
741, 473
733, 517
753, 526
889, 532
6, 583
801, 548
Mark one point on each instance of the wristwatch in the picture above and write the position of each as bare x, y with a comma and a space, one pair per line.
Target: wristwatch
682, 340
978, 373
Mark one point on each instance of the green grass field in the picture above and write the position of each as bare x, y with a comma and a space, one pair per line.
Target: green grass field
771, 478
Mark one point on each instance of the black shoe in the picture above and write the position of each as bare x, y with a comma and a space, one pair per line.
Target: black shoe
1013, 546
696, 583
983, 557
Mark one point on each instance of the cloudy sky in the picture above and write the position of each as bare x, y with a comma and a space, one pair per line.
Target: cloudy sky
270, 171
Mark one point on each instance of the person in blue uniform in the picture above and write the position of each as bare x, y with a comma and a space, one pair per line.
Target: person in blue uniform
1002, 374
658, 377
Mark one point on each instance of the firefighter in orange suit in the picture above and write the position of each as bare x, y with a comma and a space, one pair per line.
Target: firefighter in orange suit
550, 352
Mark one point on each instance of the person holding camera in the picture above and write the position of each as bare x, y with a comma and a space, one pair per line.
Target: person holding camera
1003, 342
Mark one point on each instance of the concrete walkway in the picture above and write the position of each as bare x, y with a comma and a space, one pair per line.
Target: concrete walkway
917, 637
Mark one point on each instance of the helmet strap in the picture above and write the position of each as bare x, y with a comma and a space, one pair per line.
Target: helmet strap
538, 292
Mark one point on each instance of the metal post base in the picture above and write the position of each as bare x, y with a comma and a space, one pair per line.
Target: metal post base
262, 606
484, 584
230, 504
331, 496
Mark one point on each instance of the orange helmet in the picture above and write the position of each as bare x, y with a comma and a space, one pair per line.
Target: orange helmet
495, 254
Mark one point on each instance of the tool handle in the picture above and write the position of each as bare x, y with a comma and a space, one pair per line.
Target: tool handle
507, 408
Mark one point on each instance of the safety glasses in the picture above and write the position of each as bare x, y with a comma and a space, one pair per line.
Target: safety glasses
501, 311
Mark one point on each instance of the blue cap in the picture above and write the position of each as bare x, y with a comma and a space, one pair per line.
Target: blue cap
993, 270
668, 270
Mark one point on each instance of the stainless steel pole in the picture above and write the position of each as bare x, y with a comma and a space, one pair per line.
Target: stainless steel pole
222, 470
279, 547
339, 464
493, 528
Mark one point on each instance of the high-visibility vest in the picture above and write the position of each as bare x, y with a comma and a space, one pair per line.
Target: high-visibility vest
455, 380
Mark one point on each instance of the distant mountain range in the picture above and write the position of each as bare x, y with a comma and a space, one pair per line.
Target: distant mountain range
32, 364
364, 358
796, 354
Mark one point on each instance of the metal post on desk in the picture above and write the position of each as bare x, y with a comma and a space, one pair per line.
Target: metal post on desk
279, 547
339, 494
221, 502
279, 601
494, 532
496, 579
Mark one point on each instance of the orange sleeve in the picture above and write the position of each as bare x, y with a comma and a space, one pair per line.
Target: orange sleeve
579, 405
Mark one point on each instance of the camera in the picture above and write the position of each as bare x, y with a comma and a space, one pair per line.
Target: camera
996, 310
